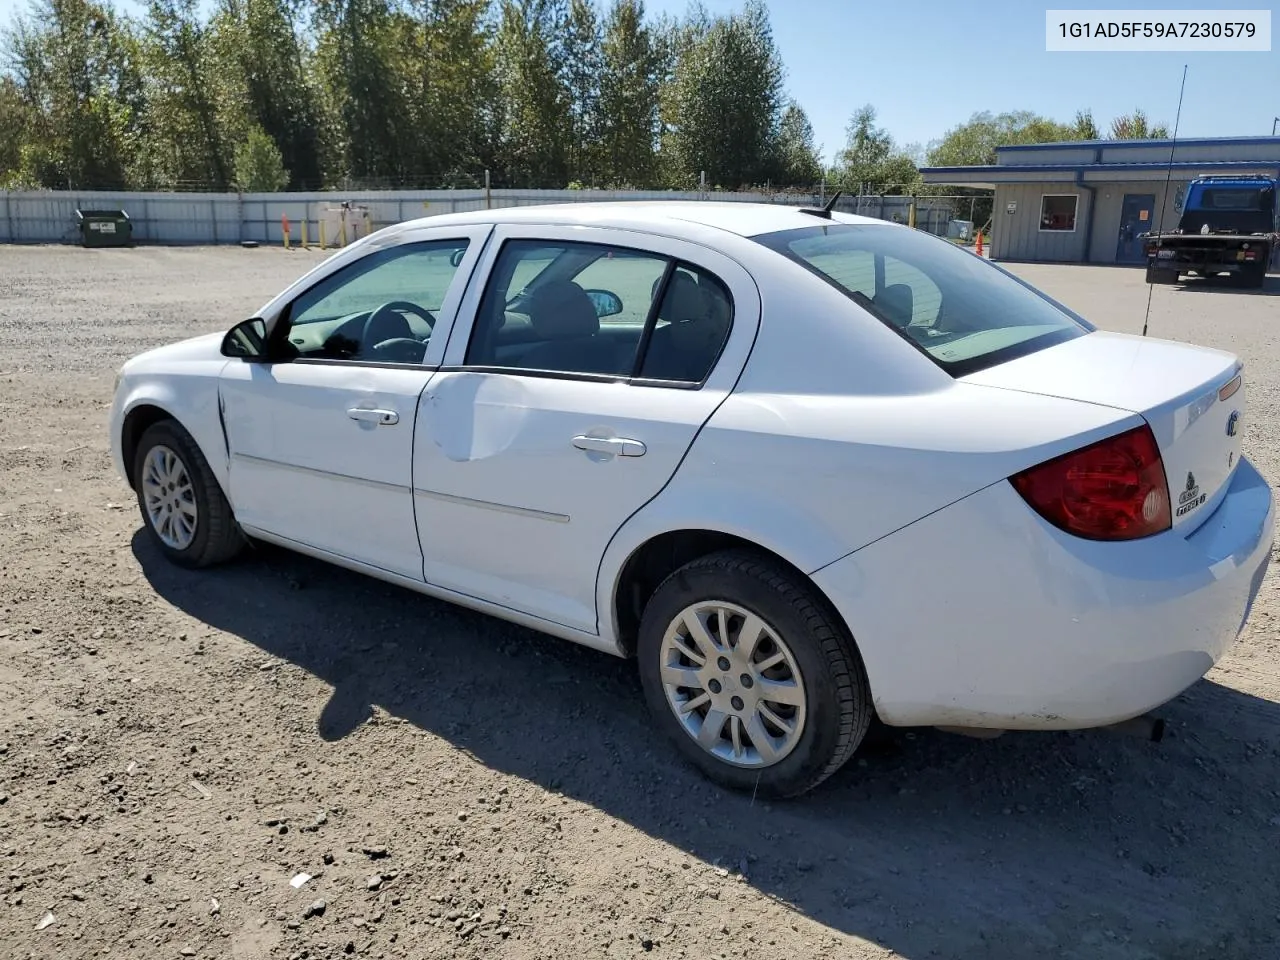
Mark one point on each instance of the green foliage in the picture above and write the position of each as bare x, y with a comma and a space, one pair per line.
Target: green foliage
974, 143
723, 103
259, 168
75, 69
1136, 126
627, 110
1085, 128
257, 43
535, 106
871, 162
798, 160
431, 93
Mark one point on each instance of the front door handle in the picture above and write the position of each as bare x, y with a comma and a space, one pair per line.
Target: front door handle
616, 446
384, 418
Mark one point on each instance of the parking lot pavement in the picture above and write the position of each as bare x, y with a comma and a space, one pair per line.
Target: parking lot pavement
175, 746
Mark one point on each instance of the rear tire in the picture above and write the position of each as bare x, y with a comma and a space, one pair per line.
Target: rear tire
728, 725
1161, 275
182, 505
1255, 276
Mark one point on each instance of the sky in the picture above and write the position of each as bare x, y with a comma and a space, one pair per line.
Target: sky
928, 65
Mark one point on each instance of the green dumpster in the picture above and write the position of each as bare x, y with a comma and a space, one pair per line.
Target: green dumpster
104, 228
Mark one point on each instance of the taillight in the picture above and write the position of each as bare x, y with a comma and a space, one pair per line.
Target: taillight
1114, 489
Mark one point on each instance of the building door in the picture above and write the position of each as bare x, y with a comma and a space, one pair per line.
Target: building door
1137, 217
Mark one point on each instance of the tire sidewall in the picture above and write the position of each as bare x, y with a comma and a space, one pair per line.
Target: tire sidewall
820, 738
169, 435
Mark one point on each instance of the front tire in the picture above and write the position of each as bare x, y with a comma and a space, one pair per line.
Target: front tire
182, 505
750, 674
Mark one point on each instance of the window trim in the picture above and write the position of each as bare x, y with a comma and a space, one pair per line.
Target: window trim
1075, 213
673, 263
278, 337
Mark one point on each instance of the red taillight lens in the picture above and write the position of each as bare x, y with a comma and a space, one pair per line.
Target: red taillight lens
1111, 490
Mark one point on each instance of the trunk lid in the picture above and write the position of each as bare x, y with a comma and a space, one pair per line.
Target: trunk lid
1188, 394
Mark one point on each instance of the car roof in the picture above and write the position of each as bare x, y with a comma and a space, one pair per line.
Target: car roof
666, 216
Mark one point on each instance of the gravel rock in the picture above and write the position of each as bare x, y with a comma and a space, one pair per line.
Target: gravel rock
288, 693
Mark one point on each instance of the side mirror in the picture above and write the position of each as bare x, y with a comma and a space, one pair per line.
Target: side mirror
455, 258
607, 304
246, 340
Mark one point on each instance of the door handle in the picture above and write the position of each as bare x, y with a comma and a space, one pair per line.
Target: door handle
615, 446
384, 418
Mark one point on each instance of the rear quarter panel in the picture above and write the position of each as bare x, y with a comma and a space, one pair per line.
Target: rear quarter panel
814, 479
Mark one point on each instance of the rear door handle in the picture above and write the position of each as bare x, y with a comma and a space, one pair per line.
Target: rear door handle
385, 418
616, 446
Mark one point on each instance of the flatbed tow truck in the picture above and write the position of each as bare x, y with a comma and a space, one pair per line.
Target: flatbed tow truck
1229, 225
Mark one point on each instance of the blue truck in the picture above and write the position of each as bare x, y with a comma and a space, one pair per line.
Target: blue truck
1229, 225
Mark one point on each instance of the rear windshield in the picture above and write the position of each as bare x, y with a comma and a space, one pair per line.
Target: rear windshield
1231, 196
959, 310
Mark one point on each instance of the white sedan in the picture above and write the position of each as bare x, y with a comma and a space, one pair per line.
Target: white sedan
806, 468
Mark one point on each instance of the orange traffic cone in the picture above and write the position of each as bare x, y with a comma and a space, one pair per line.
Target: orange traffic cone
979, 250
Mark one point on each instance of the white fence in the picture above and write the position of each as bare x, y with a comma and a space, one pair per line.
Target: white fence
214, 218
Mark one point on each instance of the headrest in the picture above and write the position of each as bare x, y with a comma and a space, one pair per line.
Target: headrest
684, 300
898, 303
561, 309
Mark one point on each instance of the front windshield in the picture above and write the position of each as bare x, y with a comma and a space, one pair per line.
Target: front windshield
959, 310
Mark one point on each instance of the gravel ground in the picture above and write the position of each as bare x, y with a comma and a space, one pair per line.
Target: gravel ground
175, 747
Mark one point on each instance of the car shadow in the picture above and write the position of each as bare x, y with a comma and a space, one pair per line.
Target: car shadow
1270, 287
1073, 844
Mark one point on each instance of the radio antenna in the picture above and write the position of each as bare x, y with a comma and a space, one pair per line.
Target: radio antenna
1173, 145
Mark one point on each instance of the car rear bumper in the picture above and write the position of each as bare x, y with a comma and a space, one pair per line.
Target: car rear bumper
984, 615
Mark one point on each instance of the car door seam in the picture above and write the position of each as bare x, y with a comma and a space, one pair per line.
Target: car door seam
413, 462
755, 336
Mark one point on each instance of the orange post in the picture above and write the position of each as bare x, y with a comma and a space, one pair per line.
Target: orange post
979, 251
284, 229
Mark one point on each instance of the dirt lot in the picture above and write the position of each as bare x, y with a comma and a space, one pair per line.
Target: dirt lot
174, 747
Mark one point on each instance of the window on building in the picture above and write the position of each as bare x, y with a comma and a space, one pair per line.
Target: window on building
1058, 211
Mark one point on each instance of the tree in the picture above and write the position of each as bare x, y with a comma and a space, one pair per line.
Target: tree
76, 91
870, 161
187, 97
581, 69
367, 121
723, 102
1085, 128
536, 108
444, 59
1135, 126
799, 163
258, 165
974, 143
260, 38
627, 110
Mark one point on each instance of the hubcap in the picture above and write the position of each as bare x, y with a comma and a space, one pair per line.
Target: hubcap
733, 684
169, 497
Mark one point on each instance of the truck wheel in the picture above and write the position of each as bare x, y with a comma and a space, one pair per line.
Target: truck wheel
1254, 276
1161, 275
751, 676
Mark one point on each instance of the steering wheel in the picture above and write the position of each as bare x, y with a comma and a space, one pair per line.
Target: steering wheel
389, 317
